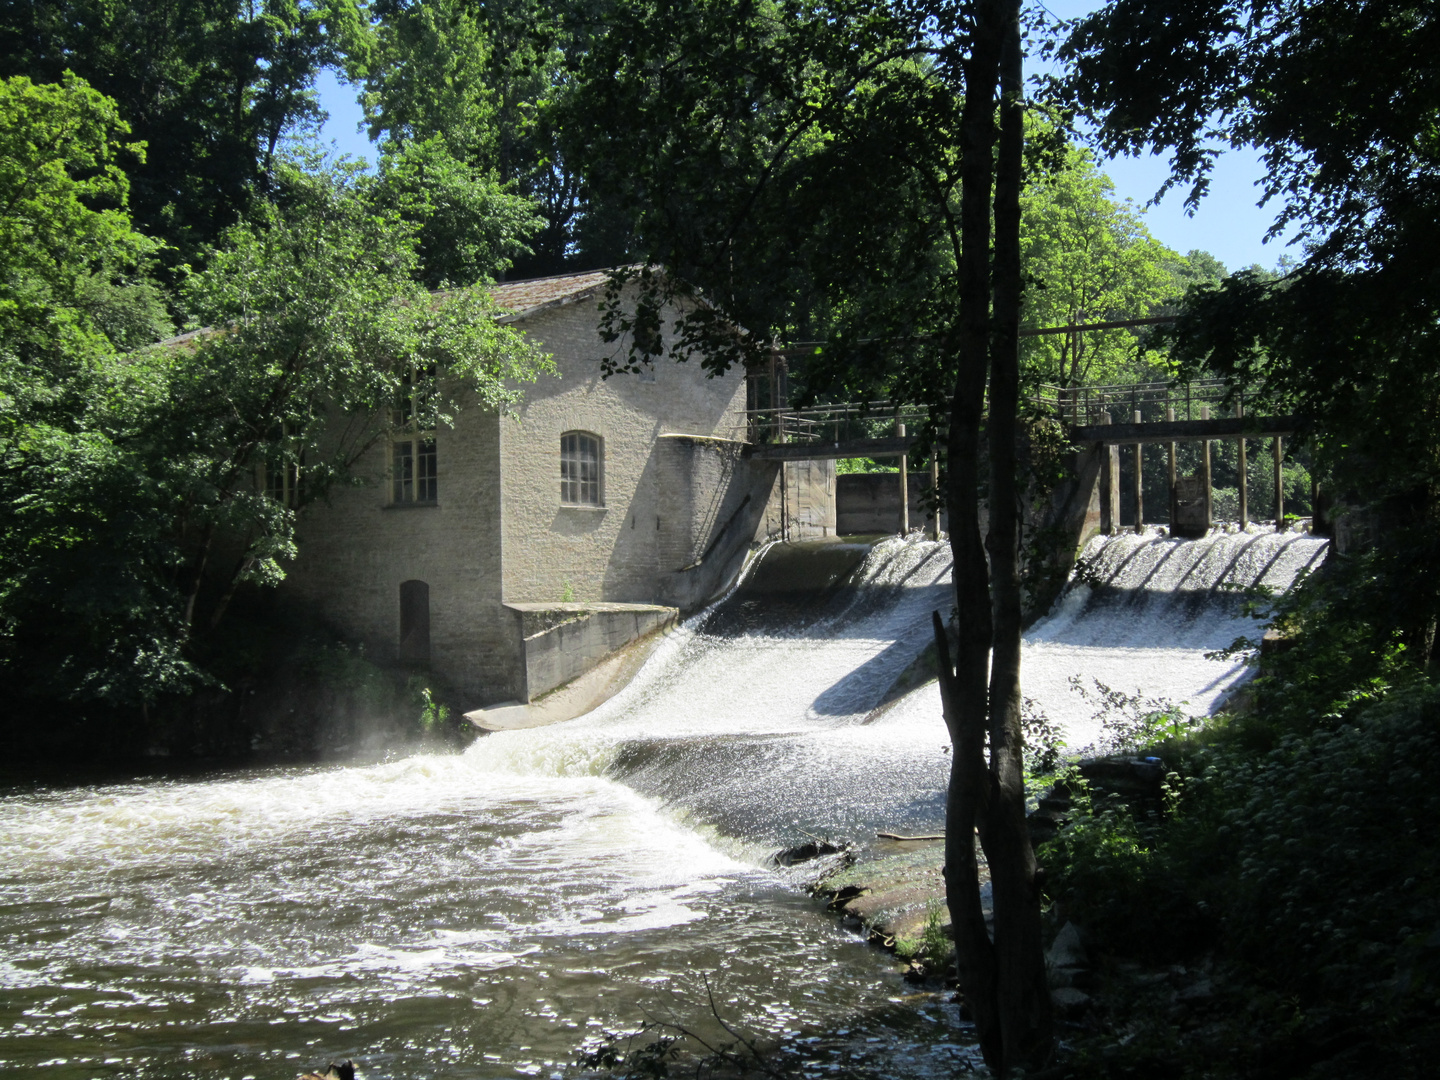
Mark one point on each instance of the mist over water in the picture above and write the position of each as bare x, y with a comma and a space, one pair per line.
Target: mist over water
480, 914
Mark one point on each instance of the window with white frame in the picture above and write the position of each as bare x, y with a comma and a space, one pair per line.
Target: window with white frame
413, 474
580, 462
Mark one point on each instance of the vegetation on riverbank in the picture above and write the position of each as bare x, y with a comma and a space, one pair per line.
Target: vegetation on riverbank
1275, 913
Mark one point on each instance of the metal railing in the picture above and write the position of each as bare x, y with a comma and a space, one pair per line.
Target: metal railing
846, 422
1078, 406
1082, 406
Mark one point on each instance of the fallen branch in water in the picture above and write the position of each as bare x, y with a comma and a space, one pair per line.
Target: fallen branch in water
897, 836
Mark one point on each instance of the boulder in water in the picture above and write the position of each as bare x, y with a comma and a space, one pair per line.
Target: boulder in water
344, 1071
815, 849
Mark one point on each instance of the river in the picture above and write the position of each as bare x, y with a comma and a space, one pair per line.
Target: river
482, 914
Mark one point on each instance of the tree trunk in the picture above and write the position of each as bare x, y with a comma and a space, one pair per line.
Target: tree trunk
1024, 1006
1003, 982
965, 693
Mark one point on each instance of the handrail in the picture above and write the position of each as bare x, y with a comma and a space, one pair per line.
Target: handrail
1077, 406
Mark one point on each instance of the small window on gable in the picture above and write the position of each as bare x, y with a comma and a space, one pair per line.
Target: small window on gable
580, 464
413, 463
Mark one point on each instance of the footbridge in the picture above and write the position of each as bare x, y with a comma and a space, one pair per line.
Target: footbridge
1099, 419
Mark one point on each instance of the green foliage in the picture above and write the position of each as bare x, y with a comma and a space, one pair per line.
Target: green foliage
1100, 864
1130, 723
211, 87
72, 281
137, 505
470, 229
933, 948
1297, 866
1346, 648
1088, 259
1347, 337
794, 168
1337, 894
433, 714
425, 76
481, 79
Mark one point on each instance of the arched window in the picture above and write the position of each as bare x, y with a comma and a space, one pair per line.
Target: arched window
414, 622
580, 467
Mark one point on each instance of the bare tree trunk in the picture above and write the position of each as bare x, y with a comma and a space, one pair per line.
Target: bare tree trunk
1003, 982
965, 693
1024, 1005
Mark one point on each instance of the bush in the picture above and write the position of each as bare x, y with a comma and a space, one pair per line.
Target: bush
1338, 895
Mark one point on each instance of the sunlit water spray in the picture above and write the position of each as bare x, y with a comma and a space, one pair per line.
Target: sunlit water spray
478, 914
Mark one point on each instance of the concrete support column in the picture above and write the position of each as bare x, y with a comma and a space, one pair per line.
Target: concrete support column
1279, 485
935, 491
1205, 472
1244, 480
904, 486
1139, 481
1109, 485
1170, 417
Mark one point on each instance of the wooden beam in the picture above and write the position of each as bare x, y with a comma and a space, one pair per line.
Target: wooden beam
1139, 483
1205, 469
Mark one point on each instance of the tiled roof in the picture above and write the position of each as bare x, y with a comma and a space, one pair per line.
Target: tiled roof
522, 297
516, 298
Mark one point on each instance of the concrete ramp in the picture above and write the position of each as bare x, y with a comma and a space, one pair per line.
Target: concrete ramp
808, 566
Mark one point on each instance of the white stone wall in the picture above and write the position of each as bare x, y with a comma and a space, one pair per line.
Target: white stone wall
499, 533
357, 549
616, 552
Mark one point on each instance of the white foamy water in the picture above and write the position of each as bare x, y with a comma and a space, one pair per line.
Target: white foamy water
473, 915
1157, 607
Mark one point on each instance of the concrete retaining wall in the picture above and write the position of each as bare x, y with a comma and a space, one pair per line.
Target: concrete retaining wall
870, 503
563, 641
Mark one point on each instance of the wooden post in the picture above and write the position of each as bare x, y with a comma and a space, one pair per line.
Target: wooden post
1109, 484
1244, 480
935, 490
1205, 472
1170, 416
1139, 482
1279, 485
904, 485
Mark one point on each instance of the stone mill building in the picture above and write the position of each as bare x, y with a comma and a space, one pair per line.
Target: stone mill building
512, 552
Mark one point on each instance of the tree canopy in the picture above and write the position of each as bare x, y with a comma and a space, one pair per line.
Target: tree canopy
212, 88
134, 477
1343, 101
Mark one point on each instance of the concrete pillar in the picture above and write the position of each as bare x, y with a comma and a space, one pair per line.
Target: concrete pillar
935, 490
1244, 480
1205, 472
1279, 485
1170, 417
1109, 485
904, 486
1139, 481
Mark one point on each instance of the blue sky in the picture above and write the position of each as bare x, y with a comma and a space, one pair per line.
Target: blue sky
1228, 224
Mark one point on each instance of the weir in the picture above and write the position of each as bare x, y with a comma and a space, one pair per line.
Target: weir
477, 914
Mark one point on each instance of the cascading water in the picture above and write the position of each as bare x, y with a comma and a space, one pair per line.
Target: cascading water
478, 914
1155, 606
